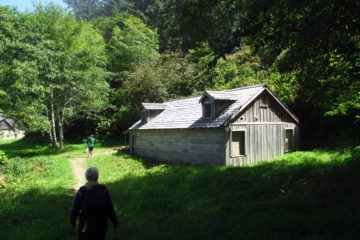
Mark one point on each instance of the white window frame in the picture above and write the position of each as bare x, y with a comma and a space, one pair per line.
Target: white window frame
292, 146
231, 146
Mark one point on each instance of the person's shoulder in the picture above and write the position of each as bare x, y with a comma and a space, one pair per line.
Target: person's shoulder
103, 187
82, 190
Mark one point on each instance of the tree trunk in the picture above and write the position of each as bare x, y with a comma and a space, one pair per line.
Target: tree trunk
49, 131
51, 137
53, 125
61, 132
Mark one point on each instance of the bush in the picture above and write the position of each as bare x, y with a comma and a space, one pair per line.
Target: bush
17, 166
355, 153
3, 157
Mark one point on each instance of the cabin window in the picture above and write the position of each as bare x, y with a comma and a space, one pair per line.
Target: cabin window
207, 109
289, 140
263, 103
237, 143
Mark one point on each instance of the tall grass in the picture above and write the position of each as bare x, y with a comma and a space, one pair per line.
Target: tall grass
36, 190
302, 195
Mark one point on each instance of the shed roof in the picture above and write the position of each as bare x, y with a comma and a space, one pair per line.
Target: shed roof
187, 112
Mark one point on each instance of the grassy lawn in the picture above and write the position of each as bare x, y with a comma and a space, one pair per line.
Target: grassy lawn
36, 197
302, 195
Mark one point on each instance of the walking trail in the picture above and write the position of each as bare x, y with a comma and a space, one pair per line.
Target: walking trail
79, 166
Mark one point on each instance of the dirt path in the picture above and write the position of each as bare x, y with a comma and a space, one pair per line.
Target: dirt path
79, 166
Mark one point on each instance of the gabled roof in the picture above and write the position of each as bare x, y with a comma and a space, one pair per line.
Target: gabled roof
6, 123
187, 112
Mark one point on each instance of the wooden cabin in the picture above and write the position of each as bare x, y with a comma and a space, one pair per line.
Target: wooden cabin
234, 127
8, 129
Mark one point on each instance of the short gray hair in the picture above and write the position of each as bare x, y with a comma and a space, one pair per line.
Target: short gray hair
92, 174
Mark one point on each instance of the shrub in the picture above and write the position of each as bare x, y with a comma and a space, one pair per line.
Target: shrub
355, 153
17, 166
3, 157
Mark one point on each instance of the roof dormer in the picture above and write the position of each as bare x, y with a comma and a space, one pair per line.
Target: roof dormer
207, 106
214, 103
151, 110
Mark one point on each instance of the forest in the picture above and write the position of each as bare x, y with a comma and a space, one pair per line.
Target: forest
68, 73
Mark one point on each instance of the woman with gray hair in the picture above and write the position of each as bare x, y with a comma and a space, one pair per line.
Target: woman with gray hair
93, 206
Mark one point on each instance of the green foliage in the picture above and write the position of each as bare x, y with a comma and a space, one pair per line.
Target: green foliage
54, 66
170, 76
306, 52
132, 44
239, 69
321, 44
205, 59
355, 153
3, 157
84, 9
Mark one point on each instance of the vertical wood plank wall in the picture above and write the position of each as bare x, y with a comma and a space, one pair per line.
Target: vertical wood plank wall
264, 123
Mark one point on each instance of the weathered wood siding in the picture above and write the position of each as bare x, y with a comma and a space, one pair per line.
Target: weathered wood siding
264, 109
264, 123
195, 146
262, 142
9, 134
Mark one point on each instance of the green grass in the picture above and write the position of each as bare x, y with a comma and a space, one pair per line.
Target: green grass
36, 197
302, 195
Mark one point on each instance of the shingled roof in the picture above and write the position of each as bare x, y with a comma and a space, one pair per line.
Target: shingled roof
154, 106
6, 123
187, 112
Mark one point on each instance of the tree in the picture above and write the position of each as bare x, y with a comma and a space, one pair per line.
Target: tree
57, 71
132, 44
129, 42
168, 76
318, 40
85, 9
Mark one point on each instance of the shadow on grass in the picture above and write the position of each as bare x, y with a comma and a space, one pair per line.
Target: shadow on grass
146, 162
309, 200
28, 148
112, 143
36, 214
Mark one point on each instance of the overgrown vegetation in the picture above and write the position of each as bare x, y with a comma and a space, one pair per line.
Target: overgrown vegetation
71, 76
301, 195
55, 76
36, 189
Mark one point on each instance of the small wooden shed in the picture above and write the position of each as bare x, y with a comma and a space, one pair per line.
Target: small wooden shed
8, 129
233, 127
